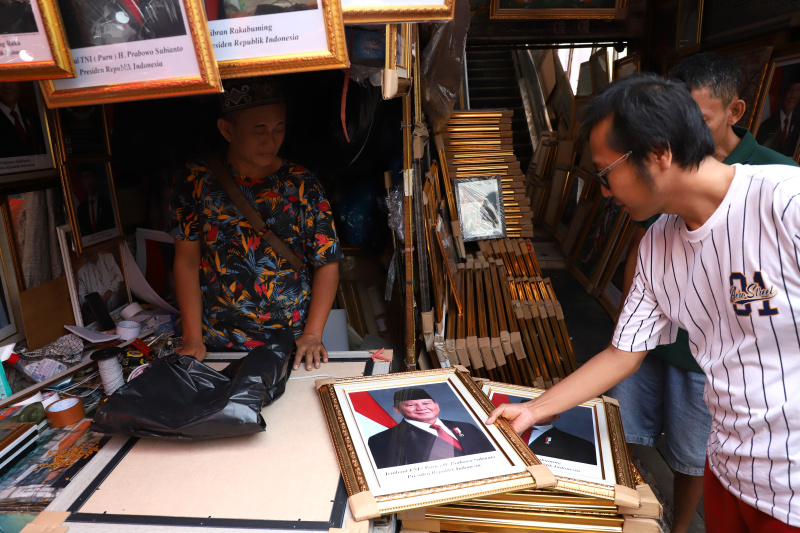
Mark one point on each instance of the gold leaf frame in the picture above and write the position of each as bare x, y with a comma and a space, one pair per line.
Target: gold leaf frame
46, 165
333, 57
603, 13
347, 442
206, 81
397, 12
788, 57
59, 64
694, 45
614, 438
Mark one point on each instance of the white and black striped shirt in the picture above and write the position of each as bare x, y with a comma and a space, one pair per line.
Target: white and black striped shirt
734, 285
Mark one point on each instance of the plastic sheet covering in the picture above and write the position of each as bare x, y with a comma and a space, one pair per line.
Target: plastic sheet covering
443, 66
480, 208
394, 203
181, 398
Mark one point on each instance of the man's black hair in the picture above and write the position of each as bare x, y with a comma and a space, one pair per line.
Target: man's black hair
718, 73
649, 112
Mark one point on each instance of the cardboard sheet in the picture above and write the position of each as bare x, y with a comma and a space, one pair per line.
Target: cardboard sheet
287, 473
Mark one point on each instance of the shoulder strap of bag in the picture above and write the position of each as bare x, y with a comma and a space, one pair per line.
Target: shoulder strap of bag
225, 180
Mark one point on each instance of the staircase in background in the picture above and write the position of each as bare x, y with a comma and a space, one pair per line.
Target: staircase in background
493, 84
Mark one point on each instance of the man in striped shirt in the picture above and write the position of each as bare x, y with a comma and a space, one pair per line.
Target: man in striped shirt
722, 264
666, 393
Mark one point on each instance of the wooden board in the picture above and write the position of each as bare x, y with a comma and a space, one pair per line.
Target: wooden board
46, 309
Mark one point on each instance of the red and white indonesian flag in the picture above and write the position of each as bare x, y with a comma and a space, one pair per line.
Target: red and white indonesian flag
371, 417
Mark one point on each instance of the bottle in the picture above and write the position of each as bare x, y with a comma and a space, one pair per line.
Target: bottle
36, 370
5, 388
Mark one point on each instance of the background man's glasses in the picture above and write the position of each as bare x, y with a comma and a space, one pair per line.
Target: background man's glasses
601, 174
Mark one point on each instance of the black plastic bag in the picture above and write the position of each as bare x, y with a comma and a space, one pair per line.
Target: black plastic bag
181, 398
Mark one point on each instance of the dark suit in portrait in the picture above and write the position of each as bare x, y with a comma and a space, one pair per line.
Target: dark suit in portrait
770, 134
104, 216
14, 143
406, 444
16, 16
561, 445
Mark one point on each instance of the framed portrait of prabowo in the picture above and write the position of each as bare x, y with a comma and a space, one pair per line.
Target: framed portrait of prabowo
555, 9
584, 447
373, 11
777, 126
34, 42
25, 145
94, 278
257, 37
408, 440
479, 201
91, 203
82, 131
127, 50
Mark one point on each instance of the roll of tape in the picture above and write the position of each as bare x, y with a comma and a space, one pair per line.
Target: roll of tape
128, 329
131, 311
50, 397
65, 412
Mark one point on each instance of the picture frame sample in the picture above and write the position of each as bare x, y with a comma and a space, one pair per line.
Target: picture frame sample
609, 288
780, 96
10, 313
598, 63
24, 130
690, 22
585, 448
34, 42
593, 9
255, 37
160, 49
382, 452
101, 270
575, 191
479, 201
753, 58
377, 11
626, 66
595, 245
82, 131
91, 202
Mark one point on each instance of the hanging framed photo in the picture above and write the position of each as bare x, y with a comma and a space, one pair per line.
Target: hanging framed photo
377, 11
24, 130
753, 58
590, 9
257, 37
777, 126
82, 131
34, 43
625, 67
91, 203
128, 50
408, 440
479, 201
690, 22
584, 447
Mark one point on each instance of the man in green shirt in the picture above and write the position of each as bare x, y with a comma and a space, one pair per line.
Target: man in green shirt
666, 394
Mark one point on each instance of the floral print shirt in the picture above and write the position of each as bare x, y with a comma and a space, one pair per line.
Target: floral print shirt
248, 290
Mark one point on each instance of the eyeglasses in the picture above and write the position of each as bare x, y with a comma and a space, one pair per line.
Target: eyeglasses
601, 174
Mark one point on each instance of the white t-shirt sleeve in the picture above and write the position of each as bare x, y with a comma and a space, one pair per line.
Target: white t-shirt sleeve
642, 325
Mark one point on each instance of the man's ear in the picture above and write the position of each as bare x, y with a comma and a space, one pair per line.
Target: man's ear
396, 410
736, 111
225, 127
662, 157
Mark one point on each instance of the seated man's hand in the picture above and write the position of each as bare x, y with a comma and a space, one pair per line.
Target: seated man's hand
521, 415
311, 348
194, 348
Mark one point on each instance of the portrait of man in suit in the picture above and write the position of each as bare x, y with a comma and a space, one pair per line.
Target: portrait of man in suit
16, 16
422, 436
20, 126
95, 212
781, 131
546, 440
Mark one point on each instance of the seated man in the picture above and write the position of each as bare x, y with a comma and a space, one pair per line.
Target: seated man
421, 436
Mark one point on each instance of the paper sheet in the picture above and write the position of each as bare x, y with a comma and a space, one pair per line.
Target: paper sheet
139, 285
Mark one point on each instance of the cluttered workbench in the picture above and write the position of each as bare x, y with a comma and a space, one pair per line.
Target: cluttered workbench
285, 478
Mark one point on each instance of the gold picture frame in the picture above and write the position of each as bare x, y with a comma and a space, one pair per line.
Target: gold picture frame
753, 58
503, 9
304, 40
382, 11
383, 479
35, 42
688, 27
26, 153
91, 203
783, 76
591, 431
82, 132
626, 66
176, 59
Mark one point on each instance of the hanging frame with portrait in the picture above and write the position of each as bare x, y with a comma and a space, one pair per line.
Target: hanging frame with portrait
91, 202
128, 50
258, 37
390, 462
689, 26
26, 150
777, 124
584, 447
82, 132
34, 41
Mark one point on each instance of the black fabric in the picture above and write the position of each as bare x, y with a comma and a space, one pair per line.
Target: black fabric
181, 398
